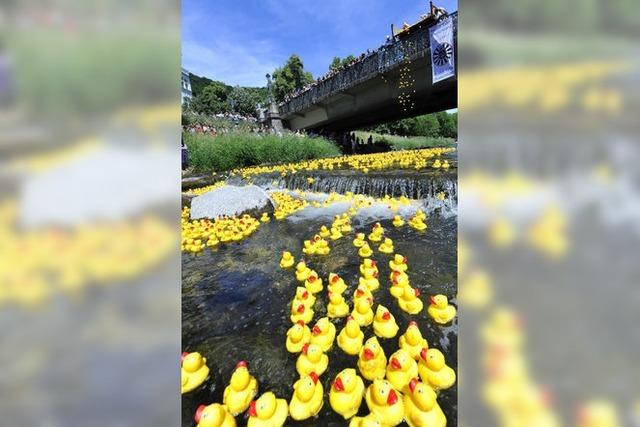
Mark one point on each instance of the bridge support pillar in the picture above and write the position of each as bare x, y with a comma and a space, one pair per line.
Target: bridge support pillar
274, 121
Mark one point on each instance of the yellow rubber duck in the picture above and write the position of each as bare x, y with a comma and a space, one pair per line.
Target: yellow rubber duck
346, 393
287, 260
193, 372
312, 359
399, 281
309, 247
384, 324
346, 226
310, 180
372, 361
359, 240
399, 263
336, 284
421, 407
441, 196
322, 247
302, 271
417, 223
440, 310
385, 402
350, 337
365, 251
303, 296
362, 312
368, 421
409, 301
301, 312
412, 340
387, 246
306, 400
337, 307
323, 333
434, 371
313, 283
445, 164
324, 231
377, 233
297, 336
361, 292
398, 221
335, 233
241, 389
401, 370
265, 217
268, 411
214, 415
368, 265
370, 280
436, 164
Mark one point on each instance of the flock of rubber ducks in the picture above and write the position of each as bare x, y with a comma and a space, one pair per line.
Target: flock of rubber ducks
403, 387
38, 264
413, 159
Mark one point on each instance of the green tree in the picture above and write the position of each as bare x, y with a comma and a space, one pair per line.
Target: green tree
336, 63
242, 101
289, 77
448, 124
212, 99
346, 61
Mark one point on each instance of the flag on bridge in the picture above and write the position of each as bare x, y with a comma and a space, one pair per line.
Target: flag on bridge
442, 57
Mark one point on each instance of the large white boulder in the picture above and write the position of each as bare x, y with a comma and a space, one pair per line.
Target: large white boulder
230, 200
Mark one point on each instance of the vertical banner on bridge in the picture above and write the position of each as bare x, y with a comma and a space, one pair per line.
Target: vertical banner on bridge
442, 58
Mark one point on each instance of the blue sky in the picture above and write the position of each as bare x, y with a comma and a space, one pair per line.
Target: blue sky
239, 41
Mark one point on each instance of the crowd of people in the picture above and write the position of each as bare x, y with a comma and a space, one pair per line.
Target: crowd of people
435, 13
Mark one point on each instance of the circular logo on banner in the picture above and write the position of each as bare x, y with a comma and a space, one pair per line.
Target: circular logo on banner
442, 54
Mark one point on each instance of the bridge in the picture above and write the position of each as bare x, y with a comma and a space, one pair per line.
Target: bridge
367, 93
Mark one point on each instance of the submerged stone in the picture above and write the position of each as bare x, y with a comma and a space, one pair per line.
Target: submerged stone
231, 200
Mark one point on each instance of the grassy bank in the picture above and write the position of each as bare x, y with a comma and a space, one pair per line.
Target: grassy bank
235, 150
408, 143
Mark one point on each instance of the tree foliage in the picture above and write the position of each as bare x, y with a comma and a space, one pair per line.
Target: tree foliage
289, 77
213, 97
434, 125
336, 63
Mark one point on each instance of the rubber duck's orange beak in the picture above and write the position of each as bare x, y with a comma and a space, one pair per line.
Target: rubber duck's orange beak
241, 364
359, 292
413, 323
392, 398
183, 355
335, 278
314, 377
305, 294
312, 279
316, 330
300, 322
423, 353
199, 413
412, 384
305, 348
337, 385
375, 274
396, 363
368, 354
432, 300
252, 409
386, 315
417, 292
404, 259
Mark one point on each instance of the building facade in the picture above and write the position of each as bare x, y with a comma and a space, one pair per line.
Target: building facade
185, 92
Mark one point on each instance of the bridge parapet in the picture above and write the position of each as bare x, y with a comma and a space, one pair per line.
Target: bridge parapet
409, 48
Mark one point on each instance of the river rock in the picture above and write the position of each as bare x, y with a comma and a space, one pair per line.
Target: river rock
231, 200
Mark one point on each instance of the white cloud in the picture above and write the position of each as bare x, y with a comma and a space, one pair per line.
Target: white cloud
229, 62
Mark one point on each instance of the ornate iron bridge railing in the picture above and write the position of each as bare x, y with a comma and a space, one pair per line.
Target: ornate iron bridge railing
408, 49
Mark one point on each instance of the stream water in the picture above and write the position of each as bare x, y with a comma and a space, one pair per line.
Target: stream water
236, 298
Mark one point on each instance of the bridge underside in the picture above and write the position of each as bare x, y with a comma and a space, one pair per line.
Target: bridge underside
376, 100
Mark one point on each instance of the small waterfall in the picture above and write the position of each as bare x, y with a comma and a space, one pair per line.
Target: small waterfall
413, 185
